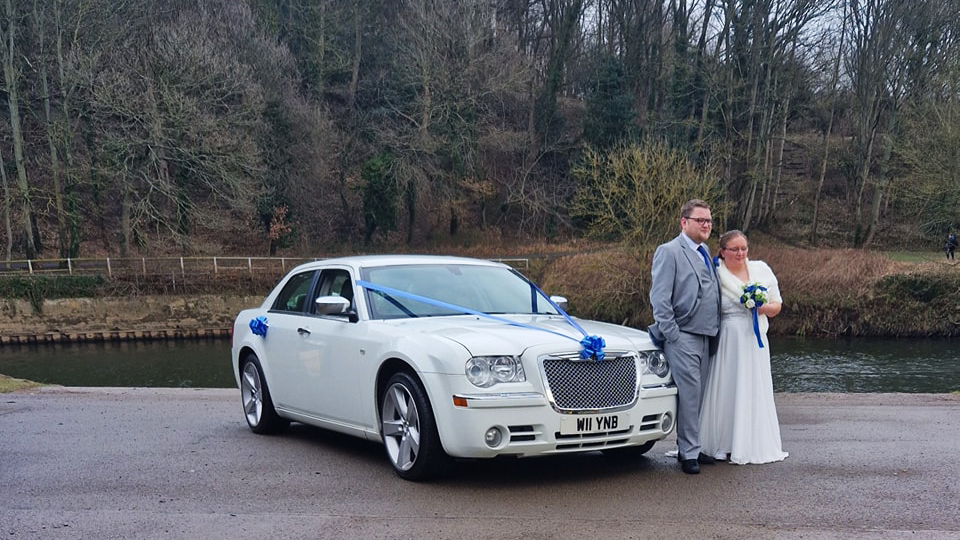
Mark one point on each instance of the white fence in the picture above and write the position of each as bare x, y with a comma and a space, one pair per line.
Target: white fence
152, 266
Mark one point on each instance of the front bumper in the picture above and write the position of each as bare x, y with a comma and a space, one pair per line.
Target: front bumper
530, 426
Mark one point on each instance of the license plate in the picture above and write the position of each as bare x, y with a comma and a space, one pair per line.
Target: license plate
592, 423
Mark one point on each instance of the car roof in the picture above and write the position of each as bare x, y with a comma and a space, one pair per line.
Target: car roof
370, 261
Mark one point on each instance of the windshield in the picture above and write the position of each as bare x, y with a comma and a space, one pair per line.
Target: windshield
487, 289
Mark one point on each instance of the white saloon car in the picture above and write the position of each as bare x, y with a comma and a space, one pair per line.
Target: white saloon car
446, 357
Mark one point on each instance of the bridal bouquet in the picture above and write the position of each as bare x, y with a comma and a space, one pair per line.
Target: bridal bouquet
754, 295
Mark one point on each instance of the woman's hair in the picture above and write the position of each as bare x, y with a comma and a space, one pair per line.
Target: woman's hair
726, 237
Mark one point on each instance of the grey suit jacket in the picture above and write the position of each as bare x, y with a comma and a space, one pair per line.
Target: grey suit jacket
684, 294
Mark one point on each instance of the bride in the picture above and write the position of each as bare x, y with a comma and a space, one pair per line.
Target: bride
738, 419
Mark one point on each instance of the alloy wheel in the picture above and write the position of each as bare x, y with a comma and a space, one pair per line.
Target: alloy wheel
251, 394
401, 427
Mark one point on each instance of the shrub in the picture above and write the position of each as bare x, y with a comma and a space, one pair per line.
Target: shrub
634, 193
38, 288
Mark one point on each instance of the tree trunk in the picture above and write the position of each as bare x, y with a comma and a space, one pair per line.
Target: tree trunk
357, 49
11, 76
69, 177
55, 169
826, 134
6, 209
882, 182
126, 226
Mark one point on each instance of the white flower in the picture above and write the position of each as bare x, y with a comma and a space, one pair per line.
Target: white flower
749, 304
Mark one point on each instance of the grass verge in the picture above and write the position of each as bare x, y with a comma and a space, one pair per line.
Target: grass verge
10, 384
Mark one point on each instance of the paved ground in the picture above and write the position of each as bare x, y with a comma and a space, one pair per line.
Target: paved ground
180, 463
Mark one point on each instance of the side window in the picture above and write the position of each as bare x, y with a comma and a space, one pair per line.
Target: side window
334, 283
293, 296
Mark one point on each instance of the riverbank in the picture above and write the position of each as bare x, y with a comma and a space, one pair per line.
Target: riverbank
827, 293
119, 319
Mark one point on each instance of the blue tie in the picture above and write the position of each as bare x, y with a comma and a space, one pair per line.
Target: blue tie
706, 258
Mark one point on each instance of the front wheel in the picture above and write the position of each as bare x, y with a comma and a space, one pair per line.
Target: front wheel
409, 430
255, 396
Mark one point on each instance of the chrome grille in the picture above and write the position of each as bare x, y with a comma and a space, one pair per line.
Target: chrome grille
576, 385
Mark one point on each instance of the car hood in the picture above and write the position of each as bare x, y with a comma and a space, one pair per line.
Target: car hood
482, 336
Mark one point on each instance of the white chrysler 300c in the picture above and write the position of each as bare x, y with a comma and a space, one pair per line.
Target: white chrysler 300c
446, 357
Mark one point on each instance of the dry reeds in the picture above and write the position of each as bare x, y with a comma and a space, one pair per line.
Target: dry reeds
827, 292
824, 273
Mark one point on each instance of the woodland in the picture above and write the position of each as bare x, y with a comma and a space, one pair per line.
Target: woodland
262, 127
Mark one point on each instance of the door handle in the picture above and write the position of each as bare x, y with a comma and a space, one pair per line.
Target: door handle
303, 331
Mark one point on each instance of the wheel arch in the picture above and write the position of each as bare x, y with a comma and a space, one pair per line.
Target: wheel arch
242, 355
389, 368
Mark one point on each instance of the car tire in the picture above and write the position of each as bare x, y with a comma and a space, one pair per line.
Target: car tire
255, 397
409, 431
630, 452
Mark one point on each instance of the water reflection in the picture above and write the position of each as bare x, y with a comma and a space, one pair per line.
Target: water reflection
865, 365
799, 365
170, 363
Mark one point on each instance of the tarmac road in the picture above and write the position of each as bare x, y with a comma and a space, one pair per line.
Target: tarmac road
180, 463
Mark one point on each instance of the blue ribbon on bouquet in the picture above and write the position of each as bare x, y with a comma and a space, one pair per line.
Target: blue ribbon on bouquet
756, 325
592, 345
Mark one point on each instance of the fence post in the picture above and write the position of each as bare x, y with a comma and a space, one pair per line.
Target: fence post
30, 265
109, 270
182, 273
143, 263
250, 264
215, 266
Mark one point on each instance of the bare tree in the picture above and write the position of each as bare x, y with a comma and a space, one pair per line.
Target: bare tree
9, 56
828, 130
8, 251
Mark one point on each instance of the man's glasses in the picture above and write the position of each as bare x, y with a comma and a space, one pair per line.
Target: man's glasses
700, 221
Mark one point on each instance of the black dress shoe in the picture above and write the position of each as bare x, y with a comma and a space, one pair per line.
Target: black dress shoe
690, 466
704, 459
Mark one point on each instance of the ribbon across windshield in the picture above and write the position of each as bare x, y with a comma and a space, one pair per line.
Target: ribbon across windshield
592, 345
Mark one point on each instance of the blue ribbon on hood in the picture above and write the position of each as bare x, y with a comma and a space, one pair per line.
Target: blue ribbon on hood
592, 345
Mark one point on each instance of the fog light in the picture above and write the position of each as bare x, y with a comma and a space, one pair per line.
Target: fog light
666, 422
493, 437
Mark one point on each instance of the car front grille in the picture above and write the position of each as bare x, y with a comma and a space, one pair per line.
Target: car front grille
577, 385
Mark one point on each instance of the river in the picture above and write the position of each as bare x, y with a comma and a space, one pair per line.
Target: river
799, 365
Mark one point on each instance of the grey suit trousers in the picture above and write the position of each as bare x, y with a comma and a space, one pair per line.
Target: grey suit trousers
689, 359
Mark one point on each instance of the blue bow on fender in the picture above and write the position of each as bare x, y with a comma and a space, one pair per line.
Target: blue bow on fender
259, 326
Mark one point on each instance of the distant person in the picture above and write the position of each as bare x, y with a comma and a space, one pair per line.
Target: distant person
685, 296
950, 246
738, 421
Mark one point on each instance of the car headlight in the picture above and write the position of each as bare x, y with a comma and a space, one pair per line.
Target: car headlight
654, 362
486, 371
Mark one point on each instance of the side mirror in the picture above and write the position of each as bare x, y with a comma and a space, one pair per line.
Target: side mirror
560, 301
332, 305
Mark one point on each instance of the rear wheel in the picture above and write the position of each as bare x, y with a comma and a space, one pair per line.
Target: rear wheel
409, 430
255, 396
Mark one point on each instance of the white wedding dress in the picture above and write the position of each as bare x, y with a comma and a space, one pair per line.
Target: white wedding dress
738, 416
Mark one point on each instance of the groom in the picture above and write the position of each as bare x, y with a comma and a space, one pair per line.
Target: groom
685, 295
